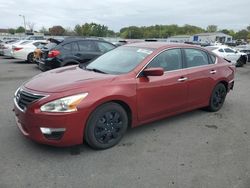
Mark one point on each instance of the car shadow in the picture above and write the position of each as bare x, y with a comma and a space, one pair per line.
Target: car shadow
131, 132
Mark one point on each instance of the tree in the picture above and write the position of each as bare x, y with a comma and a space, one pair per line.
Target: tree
57, 30
43, 30
78, 30
242, 34
248, 28
12, 31
20, 29
69, 32
212, 28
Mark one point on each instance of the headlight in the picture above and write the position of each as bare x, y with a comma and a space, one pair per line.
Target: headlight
66, 104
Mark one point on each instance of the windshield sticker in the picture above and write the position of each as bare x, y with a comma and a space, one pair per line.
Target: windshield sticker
144, 51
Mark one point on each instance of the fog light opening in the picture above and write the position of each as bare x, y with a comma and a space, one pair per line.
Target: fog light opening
52, 133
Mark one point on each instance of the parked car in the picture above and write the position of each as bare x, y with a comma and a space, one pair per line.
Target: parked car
244, 49
237, 58
25, 50
126, 87
35, 37
4, 43
8, 48
72, 51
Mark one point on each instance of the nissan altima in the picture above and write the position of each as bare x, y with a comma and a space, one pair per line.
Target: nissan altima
129, 86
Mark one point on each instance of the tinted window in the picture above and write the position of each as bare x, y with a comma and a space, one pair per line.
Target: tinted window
228, 50
26, 42
120, 60
213, 58
221, 50
67, 46
50, 45
75, 46
86, 46
104, 47
36, 43
196, 57
168, 60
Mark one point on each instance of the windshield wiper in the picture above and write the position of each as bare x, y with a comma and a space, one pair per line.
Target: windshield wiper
96, 70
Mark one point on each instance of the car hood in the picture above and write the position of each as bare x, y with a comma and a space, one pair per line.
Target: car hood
65, 79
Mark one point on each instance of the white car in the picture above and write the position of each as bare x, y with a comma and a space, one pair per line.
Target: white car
25, 50
8, 48
237, 58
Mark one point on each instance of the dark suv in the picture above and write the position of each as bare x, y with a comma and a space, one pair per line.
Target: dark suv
72, 51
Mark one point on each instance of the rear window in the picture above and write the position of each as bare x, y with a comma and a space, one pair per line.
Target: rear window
228, 50
26, 42
50, 45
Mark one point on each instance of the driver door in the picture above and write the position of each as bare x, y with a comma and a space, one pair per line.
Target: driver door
158, 96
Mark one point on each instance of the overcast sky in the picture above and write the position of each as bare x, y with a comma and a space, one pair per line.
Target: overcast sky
228, 14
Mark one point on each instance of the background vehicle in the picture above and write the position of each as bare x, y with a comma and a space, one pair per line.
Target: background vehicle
237, 58
131, 85
8, 48
72, 51
5, 42
25, 50
244, 49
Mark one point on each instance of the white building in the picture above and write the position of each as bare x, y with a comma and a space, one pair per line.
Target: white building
211, 38
179, 38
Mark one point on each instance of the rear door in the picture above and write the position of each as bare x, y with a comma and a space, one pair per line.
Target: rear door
158, 96
87, 51
201, 74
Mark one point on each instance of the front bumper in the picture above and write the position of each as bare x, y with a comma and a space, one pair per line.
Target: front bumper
31, 121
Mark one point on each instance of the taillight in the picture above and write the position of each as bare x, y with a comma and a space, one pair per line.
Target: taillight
17, 49
53, 53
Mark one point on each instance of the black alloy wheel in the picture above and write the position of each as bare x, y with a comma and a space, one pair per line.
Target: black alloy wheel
217, 98
30, 58
106, 126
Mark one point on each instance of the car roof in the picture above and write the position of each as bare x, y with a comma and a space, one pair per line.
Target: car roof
70, 39
157, 45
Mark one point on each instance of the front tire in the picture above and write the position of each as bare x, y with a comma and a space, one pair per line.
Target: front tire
217, 98
106, 126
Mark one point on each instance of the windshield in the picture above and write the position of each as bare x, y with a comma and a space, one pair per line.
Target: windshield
120, 60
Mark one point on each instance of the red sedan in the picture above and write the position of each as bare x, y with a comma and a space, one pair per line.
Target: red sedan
128, 86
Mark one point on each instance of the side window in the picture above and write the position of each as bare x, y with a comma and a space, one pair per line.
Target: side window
212, 58
228, 50
168, 60
67, 47
75, 47
104, 47
87, 46
221, 50
36, 43
195, 57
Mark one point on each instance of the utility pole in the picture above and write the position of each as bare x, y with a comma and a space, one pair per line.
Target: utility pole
23, 22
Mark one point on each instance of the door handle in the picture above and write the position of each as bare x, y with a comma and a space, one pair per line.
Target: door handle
182, 79
213, 71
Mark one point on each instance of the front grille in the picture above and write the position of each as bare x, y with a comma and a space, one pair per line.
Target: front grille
24, 98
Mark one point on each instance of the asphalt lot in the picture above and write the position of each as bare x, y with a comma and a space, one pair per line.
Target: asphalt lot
193, 150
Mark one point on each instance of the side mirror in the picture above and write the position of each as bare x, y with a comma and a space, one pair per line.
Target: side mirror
158, 71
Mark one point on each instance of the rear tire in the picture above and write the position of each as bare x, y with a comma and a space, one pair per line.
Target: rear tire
30, 58
106, 126
217, 98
